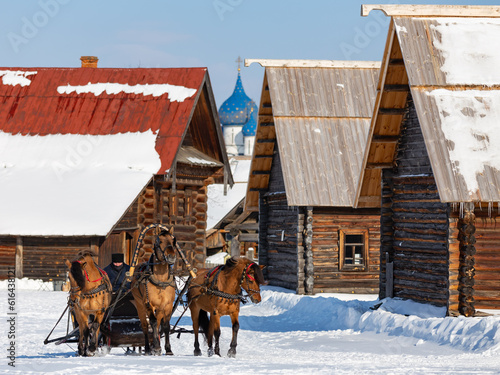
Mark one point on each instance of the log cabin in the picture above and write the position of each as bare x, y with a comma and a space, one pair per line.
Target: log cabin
431, 159
313, 124
90, 156
237, 228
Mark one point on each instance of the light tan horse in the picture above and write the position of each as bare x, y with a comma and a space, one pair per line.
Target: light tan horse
219, 292
153, 288
90, 296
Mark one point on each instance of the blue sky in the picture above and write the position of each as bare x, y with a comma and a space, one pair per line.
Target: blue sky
208, 33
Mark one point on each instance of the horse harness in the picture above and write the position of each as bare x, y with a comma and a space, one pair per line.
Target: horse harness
146, 274
101, 289
211, 287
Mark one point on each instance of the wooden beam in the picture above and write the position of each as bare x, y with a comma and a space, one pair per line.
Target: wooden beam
261, 172
313, 63
19, 257
378, 165
248, 237
257, 189
397, 88
370, 199
385, 138
272, 140
392, 111
418, 10
263, 156
266, 124
396, 62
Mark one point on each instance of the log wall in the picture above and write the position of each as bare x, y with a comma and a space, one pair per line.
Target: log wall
185, 210
43, 257
280, 233
486, 287
7, 256
414, 223
326, 224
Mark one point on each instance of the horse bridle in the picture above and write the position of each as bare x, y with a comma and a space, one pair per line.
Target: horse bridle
170, 259
246, 277
76, 290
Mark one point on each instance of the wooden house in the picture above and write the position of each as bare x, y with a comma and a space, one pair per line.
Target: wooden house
90, 156
313, 124
432, 162
240, 230
236, 227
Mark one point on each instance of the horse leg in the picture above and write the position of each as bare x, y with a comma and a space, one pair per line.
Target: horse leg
195, 313
165, 322
236, 326
81, 340
210, 335
141, 312
93, 333
83, 348
154, 322
216, 328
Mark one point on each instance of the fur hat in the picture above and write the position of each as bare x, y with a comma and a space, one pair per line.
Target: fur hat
117, 258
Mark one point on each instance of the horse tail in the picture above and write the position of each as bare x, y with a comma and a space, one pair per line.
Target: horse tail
203, 322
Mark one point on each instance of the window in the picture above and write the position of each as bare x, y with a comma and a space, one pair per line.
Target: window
353, 250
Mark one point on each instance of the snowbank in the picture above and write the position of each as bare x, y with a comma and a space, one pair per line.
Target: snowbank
29, 284
283, 311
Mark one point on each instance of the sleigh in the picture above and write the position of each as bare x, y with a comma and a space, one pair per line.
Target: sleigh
121, 326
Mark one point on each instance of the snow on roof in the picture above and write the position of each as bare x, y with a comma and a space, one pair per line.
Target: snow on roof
175, 93
218, 204
15, 77
71, 184
470, 122
452, 66
468, 58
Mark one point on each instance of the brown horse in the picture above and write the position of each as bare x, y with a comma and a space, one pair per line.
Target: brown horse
153, 288
219, 292
90, 296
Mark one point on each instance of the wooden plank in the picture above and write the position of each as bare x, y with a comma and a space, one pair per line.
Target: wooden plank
19, 257
420, 10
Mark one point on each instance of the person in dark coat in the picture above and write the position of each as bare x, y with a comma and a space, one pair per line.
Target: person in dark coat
117, 271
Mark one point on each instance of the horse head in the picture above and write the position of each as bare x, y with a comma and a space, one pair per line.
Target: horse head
251, 279
77, 268
164, 247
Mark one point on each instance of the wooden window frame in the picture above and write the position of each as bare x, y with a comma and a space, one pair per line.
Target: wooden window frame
342, 237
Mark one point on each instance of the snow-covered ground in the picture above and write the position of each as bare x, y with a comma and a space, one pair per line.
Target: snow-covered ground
285, 333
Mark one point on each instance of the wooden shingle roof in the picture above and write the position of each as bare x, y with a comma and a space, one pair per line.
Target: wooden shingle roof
318, 114
448, 58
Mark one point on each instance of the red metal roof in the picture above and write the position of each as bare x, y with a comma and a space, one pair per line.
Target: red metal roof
39, 109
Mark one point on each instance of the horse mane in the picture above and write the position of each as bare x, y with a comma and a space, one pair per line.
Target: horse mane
233, 262
77, 273
76, 267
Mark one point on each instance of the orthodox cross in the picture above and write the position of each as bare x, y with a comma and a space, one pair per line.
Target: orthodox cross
239, 61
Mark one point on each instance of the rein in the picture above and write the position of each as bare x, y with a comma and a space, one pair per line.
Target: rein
101, 272
213, 290
93, 293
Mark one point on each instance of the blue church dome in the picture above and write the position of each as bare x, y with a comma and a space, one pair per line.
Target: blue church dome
239, 109
251, 126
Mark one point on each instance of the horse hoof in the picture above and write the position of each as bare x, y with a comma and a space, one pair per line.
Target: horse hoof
157, 352
231, 353
210, 352
197, 353
169, 353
